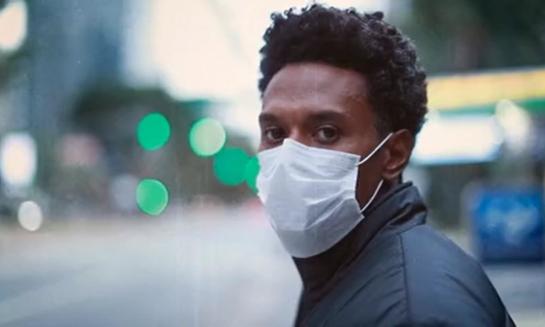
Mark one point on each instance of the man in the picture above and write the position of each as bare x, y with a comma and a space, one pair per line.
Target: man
343, 97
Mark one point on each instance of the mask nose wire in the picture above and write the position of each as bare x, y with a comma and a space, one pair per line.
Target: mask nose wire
378, 147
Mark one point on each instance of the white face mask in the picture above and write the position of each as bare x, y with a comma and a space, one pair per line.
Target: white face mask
309, 195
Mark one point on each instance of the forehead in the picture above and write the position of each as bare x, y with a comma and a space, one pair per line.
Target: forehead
316, 85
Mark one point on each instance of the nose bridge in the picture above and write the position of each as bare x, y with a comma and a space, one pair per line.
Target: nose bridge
297, 133
295, 117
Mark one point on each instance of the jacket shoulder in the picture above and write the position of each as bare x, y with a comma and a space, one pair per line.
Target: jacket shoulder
418, 277
444, 285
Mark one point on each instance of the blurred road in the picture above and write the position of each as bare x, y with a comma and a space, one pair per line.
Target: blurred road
522, 289
216, 268
188, 271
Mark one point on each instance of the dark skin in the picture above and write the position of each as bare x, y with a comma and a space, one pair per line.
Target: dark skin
325, 106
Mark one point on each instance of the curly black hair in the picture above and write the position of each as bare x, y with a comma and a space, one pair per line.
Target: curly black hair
364, 43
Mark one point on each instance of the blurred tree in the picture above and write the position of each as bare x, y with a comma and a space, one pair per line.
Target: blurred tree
454, 35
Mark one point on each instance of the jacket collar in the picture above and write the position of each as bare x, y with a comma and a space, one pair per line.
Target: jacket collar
319, 273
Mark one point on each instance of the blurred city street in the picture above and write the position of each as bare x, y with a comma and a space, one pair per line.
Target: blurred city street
129, 155
215, 268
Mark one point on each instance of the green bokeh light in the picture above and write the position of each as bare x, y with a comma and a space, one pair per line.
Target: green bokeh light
206, 137
230, 166
153, 131
151, 196
250, 173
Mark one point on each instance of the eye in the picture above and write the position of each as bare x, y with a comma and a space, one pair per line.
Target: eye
327, 134
273, 134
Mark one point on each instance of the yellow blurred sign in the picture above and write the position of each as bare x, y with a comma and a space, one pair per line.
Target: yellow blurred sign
465, 90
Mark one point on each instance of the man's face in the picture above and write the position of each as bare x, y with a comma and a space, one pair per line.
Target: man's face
326, 107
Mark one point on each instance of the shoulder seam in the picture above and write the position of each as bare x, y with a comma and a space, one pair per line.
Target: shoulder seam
405, 281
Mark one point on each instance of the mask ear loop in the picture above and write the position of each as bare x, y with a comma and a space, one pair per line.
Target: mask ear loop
372, 196
378, 147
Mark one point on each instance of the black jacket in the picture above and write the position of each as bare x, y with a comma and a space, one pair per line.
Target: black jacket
394, 270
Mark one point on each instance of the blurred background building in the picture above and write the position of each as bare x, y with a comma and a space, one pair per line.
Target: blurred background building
128, 134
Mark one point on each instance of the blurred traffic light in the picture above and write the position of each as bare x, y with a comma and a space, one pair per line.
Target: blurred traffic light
251, 172
230, 166
152, 196
153, 131
206, 137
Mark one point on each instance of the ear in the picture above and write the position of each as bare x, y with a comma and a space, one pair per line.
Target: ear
398, 151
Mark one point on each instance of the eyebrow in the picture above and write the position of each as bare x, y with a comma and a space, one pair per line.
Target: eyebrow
328, 115
317, 117
266, 117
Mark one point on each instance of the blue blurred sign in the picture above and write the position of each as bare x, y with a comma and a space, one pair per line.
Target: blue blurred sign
508, 224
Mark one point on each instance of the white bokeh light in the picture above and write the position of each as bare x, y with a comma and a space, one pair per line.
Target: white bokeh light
18, 159
516, 124
13, 25
30, 216
459, 139
122, 190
